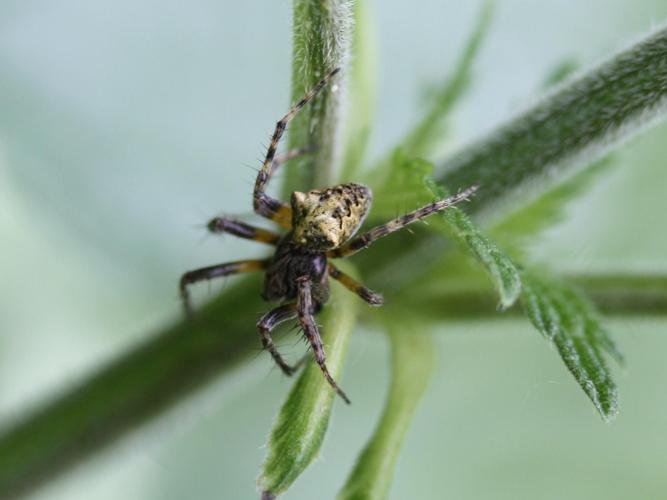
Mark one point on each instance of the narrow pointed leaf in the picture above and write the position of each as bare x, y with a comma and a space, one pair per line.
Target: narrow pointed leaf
428, 133
301, 424
569, 322
412, 365
499, 267
362, 91
560, 72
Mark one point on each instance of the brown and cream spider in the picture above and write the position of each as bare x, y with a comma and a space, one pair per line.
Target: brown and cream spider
321, 224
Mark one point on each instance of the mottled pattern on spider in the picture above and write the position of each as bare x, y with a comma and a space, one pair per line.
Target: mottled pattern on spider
321, 224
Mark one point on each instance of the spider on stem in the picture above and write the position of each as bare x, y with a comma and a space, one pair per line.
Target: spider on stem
321, 224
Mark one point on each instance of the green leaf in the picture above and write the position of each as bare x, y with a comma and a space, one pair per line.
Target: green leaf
560, 73
566, 319
362, 91
301, 424
412, 365
428, 133
322, 40
402, 186
570, 128
499, 267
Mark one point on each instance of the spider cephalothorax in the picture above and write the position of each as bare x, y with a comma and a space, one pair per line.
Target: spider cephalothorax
321, 225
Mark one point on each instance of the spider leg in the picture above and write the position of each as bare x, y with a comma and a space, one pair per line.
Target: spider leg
267, 323
305, 313
217, 271
263, 204
374, 299
365, 240
242, 230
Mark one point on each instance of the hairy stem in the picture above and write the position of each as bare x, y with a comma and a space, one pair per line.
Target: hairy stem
592, 113
133, 388
322, 38
140, 384
621, 294
574, 125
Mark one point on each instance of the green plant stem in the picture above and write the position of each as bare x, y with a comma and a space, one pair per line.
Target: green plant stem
130, 390
614, 294
569, 129
412, 364
144, 381
147, 380
322, 39
625, 294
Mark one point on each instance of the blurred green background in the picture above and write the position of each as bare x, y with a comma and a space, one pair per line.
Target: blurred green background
124, 126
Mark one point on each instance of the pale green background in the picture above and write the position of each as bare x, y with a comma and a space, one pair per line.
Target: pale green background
125, 125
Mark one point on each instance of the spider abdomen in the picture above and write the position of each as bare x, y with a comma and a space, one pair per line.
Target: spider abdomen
291, 262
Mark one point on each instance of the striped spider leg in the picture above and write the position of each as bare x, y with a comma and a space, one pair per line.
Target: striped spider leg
305, 309
321, 224
216, 271
365, 240
263, 204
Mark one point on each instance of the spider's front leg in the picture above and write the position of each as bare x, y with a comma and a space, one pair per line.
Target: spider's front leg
365, 240
263, 204
305, 315
217, 271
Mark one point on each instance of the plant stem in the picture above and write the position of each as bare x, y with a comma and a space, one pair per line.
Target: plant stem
614, 294
145, 381
130, 390
569, 129
322, 38
299, 429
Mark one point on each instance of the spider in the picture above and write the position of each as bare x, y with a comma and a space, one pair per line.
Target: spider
320, 225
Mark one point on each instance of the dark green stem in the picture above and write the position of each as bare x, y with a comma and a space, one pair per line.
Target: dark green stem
589, 114
567, 130
614, 294
130, 390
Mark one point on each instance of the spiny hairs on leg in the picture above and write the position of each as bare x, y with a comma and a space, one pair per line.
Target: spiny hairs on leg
242, 230
305, 314
216, 271
267, 323
263, 204
363, 241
